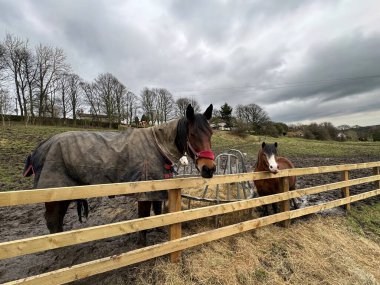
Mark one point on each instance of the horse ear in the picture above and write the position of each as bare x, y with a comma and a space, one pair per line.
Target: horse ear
263, 144
190, 113
275, 144
208, 112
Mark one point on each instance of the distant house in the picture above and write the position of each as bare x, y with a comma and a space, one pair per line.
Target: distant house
143, 124
295, 134
220, 126
92, 117
341, 136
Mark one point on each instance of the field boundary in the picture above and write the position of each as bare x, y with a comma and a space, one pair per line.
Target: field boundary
173, 219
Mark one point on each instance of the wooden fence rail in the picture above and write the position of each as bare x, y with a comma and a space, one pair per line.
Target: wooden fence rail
87, 269
53, 241
172, 219
12, 198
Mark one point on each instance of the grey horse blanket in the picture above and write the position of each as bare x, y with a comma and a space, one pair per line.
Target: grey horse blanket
84, 157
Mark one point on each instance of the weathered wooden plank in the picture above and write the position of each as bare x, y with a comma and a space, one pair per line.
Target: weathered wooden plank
21, 197
333, 204
376, 171
175, 230
87, 269
285, 205
52, 241
346, 190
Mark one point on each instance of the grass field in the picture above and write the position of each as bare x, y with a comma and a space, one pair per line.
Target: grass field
17, 141
298, 146
322, 250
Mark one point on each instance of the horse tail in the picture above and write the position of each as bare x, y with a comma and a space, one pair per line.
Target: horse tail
82, 207
35, 161
28, 167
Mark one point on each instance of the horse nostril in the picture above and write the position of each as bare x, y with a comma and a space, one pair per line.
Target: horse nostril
207, 172
271, 167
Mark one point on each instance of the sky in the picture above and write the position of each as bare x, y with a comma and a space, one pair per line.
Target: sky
301, 61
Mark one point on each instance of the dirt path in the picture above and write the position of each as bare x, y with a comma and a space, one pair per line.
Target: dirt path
27, 221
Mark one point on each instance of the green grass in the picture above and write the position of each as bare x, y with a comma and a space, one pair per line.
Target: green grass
297, 146
17, 141
365, 220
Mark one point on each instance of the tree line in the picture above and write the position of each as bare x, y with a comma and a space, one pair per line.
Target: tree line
44, 86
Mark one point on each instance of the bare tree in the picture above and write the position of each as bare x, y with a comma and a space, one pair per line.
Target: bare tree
164, 104
105, 86
4, 104
22, 55
120, 92
2, 65
253, 115
29, 72
12, 61
182, 103
50, 64
53, 99
74, 94
63, 83
148, 104
92, 99
132, 105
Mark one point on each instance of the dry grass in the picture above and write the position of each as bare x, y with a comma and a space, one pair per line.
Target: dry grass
322, 250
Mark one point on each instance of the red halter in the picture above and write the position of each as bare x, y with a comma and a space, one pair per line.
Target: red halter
202, 154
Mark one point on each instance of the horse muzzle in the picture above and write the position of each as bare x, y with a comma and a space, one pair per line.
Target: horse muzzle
207, 172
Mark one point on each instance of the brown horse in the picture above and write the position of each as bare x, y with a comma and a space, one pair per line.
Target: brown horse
267, 160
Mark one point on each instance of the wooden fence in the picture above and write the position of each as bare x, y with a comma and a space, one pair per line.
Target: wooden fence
173, 219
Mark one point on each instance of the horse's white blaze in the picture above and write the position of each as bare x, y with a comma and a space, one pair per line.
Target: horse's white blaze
272, 163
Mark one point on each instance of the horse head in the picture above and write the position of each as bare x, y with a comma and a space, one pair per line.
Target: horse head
267, 157
195, 139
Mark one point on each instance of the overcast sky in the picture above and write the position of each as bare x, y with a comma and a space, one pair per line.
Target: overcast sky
301, 61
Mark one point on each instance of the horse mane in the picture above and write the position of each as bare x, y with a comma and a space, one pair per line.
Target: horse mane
181, 136
200, 123
269, 149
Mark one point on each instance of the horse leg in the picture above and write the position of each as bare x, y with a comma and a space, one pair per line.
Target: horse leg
268, 209
157, 207
276, 208
143, 211
294, 203
54, 214
63, 206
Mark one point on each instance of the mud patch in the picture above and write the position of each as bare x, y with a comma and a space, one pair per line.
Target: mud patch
27, 221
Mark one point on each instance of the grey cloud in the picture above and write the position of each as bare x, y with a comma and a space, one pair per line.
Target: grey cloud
353, 58
238, 52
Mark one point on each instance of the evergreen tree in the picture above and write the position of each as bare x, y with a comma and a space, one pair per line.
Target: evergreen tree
225, 114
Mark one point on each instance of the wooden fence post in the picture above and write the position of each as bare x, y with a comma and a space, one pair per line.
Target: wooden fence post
376, 171
175, 230
346, 190
285, 205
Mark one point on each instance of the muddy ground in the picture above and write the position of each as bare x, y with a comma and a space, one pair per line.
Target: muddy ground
27, 221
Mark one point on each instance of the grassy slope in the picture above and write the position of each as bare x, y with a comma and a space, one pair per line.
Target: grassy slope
298, 146
321, 250
334, 250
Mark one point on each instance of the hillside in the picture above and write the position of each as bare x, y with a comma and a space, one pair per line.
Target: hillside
329, 248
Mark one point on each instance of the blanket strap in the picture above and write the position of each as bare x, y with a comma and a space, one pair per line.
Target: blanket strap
168, 165
30, 168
